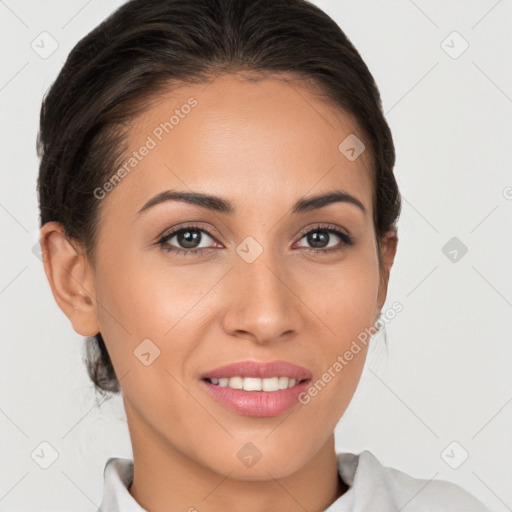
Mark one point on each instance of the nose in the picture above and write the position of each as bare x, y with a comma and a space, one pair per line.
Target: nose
263, 305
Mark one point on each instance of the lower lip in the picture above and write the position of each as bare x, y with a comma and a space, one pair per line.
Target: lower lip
257, 403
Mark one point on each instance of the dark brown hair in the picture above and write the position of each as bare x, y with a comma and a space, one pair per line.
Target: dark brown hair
144, 48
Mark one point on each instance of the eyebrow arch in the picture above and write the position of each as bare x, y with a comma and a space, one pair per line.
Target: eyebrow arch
220, 205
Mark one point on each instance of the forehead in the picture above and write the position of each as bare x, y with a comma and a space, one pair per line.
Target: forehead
244, 139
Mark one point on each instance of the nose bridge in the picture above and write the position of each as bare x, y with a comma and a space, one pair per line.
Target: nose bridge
262, 303
263, 277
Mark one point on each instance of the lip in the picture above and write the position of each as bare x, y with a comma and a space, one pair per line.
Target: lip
259, 369
257, 403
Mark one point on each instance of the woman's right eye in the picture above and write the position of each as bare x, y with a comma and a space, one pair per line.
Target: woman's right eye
188, 240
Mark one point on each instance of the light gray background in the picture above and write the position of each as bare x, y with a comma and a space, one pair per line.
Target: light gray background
447, 374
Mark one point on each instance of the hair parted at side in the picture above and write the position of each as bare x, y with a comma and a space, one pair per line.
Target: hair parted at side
147, 46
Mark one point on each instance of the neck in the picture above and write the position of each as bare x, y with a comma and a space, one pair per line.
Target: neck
166, 478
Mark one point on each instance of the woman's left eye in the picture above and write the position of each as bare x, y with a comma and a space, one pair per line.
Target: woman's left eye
190, 239
321, 235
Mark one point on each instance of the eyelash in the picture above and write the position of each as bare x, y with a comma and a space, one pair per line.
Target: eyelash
346, 240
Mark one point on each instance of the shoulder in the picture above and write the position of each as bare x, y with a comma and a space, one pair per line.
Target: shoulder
371, 483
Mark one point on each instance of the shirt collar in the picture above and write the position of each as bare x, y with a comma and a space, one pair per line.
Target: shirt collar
363, 474
118, 476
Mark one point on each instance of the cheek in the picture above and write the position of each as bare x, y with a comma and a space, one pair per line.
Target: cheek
143, 314
345, 295
146, 298
351, 300
346, 305
141, 300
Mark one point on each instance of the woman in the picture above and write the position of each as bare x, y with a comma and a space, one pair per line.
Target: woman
218, 217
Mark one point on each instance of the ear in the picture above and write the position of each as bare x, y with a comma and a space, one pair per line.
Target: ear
388, 249
71, 278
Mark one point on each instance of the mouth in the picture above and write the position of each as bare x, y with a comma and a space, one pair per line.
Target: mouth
260, 389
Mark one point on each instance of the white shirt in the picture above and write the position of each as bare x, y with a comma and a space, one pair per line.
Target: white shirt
372, 488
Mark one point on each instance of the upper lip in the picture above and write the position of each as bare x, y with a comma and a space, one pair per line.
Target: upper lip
259, 369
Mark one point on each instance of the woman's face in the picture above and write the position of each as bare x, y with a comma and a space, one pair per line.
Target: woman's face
254, 290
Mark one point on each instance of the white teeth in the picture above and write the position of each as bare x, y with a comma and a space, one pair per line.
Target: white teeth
282, 382
254, 383
270, 384
235, 383
250, 384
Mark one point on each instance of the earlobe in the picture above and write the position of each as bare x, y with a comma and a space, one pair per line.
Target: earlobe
70, 277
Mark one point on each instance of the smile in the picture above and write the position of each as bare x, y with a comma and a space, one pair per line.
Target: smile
254, 388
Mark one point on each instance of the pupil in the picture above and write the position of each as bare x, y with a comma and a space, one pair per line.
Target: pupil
318, 237
188, 238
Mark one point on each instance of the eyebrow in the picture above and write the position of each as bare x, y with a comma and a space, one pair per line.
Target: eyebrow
220, 205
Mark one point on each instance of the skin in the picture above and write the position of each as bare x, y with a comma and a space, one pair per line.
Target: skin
261, 145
